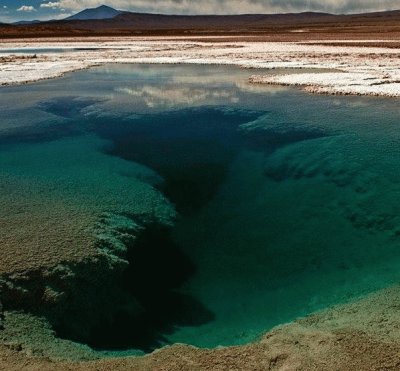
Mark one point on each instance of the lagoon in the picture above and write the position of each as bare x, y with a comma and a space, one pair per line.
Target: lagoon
252, 205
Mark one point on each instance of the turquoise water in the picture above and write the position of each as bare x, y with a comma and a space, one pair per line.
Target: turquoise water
286, 202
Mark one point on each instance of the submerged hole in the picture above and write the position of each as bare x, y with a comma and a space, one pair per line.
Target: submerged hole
157, 269
193, 151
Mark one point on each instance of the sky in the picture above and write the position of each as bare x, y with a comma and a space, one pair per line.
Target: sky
13, 10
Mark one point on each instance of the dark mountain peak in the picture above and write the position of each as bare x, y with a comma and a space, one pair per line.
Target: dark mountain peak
101, 12
105, 8
35, 21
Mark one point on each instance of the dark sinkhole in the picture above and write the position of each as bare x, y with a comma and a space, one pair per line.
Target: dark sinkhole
157, 269
193, 150
286, 203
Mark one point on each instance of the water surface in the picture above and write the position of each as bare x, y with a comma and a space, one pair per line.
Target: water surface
286, 202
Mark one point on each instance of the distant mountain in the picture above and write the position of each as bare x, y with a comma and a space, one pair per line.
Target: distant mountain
101, 12
105, 21
35, 21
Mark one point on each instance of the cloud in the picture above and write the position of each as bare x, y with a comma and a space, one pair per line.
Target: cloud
51, 5
177, 96
26, 8
235, 6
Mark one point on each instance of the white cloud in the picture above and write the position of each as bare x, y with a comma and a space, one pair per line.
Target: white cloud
177, 96
51, 5
5, 7
26, 8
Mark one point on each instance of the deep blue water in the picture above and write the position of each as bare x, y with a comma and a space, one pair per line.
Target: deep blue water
287, 203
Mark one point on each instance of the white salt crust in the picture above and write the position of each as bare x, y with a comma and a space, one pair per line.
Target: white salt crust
355, 70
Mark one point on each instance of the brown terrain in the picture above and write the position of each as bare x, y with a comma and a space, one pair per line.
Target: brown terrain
272, 27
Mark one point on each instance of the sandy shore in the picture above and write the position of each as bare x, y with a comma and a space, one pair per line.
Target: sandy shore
362, 336
363, 69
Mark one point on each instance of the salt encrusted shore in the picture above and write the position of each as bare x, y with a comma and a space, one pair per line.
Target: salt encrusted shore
355, 70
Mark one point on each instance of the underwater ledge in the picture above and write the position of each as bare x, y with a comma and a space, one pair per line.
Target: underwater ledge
119, 299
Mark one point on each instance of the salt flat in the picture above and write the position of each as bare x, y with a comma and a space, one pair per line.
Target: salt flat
357, 70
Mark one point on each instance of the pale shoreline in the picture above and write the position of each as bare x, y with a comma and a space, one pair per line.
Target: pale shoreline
352, 70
